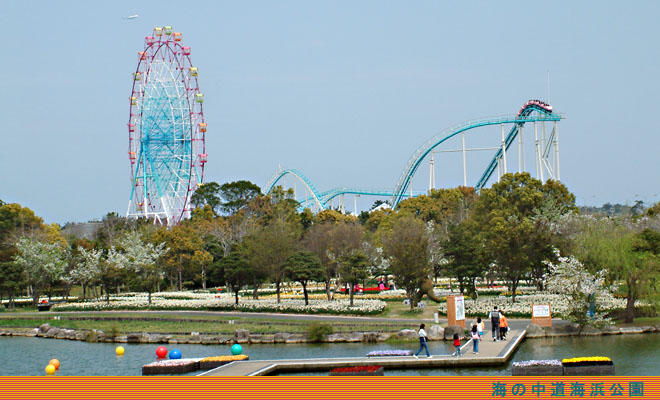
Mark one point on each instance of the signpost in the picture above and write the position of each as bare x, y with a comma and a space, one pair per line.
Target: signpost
541, 314
456, 310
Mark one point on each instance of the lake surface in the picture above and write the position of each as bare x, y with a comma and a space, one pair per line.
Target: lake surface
632, 354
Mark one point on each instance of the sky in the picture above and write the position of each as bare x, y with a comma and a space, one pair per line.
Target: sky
343, 91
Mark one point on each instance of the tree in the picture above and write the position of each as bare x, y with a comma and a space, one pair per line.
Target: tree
12, 278
465, 252
330, 241
237, 195
142, 258
304, 267
584, 292
270, 247
627, 250
406, 248
43, 264
353, 268
87, 268
207, 194
237, 271
517, 242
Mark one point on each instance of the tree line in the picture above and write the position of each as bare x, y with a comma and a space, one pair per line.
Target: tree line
239, 237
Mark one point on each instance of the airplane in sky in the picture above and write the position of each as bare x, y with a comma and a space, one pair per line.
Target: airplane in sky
134, 16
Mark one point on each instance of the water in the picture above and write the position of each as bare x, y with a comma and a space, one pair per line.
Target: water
632, 354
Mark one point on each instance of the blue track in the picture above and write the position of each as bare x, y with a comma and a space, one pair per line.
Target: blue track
529, 113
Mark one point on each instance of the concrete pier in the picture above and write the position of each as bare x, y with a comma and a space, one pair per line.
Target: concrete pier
490, 354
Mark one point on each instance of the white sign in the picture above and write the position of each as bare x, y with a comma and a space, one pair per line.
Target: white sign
459, 302
542, 310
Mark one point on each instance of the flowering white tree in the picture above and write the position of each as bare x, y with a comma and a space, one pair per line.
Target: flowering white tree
142, 258
87, 268
43, 263
583, 291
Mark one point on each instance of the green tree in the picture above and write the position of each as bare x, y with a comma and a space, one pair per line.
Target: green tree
465, 252
628, 250
518, 243
304, 267
269, 248
353, 268
236, 195
330, 241
207, 194
406, 247
236, 270
12, 279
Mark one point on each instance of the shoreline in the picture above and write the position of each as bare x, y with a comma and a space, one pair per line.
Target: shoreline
242, 336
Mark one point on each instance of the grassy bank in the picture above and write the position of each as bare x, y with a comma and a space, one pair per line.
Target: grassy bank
122, 323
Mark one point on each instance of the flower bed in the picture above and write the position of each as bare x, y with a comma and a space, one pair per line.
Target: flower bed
588, 366
367, 370
390, 353
171, 366
215, 362
523, 306
214, 302
538, 368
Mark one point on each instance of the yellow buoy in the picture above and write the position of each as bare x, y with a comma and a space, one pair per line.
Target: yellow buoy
50, 369
55, 363
119, 350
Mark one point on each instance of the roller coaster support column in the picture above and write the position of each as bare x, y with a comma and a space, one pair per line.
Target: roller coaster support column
556, 144
503, 148
464, 168
521, 157
432, 173
355, 204
539, 165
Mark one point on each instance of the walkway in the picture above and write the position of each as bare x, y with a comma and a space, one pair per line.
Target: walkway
490, 354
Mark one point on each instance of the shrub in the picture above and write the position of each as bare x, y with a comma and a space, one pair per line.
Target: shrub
316, 332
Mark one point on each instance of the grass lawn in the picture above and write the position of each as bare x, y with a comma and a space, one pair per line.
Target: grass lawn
122, 323
396, 309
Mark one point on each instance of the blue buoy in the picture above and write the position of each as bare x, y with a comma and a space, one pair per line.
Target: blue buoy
175, 354
236, 349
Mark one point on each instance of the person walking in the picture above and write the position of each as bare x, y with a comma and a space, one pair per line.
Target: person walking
480, 327
495, 324
422, 342
504, 326
457, 345
474, 333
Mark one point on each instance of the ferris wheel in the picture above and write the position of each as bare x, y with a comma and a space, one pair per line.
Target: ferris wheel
166, 130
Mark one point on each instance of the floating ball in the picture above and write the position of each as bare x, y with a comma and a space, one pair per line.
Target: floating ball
50, 369
175, 354
161, 352
236, 349
55, 363
119, 350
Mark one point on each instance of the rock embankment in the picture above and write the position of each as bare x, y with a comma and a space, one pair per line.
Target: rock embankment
573, 329
435, 332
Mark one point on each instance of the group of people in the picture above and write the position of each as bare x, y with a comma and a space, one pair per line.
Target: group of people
499, 327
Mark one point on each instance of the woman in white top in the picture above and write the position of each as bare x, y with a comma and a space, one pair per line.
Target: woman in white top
422, 342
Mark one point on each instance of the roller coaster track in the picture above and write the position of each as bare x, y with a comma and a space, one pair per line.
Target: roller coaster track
526, 115
532, 111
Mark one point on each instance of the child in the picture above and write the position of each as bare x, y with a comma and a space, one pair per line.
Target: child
476, 337
504, 326
480, 327
457, 344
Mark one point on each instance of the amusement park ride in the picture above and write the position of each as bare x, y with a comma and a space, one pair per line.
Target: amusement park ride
167, 149
546, 148
166, 130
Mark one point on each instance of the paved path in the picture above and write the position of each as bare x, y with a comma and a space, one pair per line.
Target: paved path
490, 354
